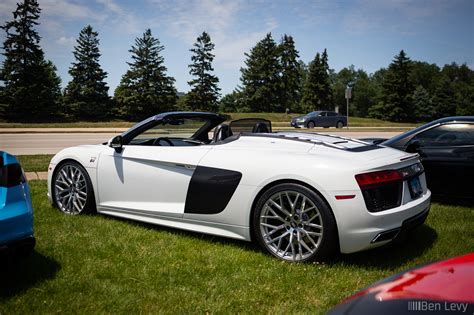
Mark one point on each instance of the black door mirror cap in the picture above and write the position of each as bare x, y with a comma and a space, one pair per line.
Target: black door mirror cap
116, 143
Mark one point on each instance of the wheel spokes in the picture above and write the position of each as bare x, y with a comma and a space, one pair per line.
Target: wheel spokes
70, 189
291, 225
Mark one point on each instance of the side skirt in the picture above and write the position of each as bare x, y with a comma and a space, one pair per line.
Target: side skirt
224, 230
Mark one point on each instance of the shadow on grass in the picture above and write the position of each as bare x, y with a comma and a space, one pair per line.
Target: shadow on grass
19, 275
253, 246
394, 254
390, 256
453, 201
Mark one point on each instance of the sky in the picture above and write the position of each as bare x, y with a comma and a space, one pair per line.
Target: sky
363, 33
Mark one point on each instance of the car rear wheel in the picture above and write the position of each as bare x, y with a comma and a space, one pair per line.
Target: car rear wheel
293, 223
311, 124
339, 124
72, 189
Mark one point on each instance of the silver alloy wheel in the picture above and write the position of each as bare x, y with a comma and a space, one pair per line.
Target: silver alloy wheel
291, 225
70, 189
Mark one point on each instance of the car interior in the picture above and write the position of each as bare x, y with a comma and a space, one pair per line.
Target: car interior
185, 137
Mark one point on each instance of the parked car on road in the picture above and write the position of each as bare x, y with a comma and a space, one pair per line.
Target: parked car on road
301, 196
443, 287
324, 119
446, 148
16, 211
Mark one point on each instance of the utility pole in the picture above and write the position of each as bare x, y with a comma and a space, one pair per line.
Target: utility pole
348, 97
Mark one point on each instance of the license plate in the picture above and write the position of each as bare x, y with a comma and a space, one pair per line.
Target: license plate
415, 187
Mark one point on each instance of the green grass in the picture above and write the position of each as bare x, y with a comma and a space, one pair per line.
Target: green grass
278, 119
98, 264
35, 163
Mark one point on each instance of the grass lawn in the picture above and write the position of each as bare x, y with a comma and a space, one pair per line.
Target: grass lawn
35, 163
279, 119
97, 264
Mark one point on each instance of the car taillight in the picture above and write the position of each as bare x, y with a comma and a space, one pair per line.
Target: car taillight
368, 180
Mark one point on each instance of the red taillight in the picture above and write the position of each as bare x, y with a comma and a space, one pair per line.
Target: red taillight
376, 178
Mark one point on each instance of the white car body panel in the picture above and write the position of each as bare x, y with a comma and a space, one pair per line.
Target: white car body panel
150, 183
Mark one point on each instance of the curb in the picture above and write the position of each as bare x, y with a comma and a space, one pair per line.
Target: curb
36, 175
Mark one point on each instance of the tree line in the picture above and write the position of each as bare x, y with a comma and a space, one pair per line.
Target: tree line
273, 79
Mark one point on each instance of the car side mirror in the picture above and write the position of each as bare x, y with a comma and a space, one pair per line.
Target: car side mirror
413, 146
116, 143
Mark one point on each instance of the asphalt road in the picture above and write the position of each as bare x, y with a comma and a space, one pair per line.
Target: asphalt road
51, 143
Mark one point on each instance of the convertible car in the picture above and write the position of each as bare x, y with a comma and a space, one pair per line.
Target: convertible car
300, 196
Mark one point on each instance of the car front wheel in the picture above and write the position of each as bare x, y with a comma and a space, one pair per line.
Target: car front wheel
311, 124
72, 189
293, 223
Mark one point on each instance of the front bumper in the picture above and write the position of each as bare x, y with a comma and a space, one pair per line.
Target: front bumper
297, 124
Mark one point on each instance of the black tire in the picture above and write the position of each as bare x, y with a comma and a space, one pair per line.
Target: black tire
310, 124
339, 124
77, 191
324, 247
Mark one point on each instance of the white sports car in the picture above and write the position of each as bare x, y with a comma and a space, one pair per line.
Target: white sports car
301, 196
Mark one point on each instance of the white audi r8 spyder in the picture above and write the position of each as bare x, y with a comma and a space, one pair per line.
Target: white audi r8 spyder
301, 196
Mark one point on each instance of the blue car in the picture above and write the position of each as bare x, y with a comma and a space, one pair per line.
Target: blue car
16, 211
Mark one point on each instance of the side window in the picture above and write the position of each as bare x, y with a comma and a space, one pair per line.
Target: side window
323, 114
447, 135
332, 114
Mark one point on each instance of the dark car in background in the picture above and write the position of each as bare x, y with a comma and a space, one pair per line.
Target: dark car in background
446, 148
324, 119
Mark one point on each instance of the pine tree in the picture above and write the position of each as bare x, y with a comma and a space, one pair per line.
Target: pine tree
424, 109
291, 75
261, 77
31, 86
398, 90
445, 99
86, 95
145, 89
317, 92
204, 92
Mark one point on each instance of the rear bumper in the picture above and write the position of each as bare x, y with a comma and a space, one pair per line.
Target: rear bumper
360, 230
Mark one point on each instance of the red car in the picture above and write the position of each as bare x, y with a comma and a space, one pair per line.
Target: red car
444, 287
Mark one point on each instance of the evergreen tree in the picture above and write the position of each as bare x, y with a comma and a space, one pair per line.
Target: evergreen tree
424, 109
291, 75
261, 77
317, 93
145, 89
86, 95
445, 99
398, 90
204, 90
31, 86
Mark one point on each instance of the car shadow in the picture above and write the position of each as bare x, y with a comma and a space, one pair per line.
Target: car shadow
390, 256
451, 201
19, 275
394, 254
252, 246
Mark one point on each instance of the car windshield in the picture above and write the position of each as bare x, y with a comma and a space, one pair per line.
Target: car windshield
170, 128
316, 113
